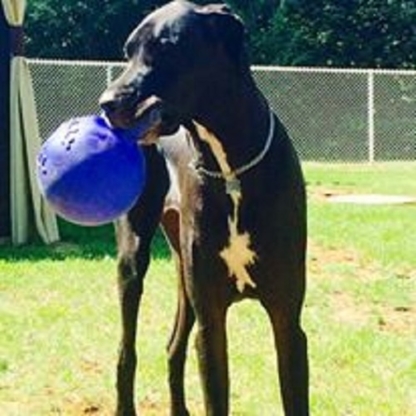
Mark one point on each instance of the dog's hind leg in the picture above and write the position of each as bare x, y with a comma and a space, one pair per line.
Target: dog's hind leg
177, 349
291, 345
134, 233
184, 320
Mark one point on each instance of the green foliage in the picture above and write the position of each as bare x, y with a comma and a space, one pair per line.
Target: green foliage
93, 29
351, 33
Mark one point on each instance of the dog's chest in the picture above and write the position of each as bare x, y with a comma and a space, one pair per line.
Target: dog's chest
237, 253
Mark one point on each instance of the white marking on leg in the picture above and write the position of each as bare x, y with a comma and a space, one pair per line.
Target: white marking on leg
237, 255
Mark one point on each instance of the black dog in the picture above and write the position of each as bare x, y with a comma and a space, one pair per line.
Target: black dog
229, 193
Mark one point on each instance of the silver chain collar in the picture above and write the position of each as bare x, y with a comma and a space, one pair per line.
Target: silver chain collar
251, 164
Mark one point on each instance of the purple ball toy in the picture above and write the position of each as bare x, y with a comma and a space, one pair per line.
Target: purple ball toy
90, 173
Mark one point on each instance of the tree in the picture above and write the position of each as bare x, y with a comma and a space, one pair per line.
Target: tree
93, 29
357, 33
347, 33
97, 29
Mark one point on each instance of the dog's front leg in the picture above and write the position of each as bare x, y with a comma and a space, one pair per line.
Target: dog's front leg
134, 234
213, 365
208, 296
133, 262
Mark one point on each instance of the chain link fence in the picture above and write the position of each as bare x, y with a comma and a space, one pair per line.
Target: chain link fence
338, 115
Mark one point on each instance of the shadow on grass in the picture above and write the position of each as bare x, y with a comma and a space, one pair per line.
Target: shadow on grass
90, 243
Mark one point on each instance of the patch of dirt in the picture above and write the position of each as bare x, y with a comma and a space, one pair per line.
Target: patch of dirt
85, 409
346, 309
398, 320
91, 366
372, 199
319, 258
152, 407
81, 409
147, 406
322, 260
322, 193
67, 408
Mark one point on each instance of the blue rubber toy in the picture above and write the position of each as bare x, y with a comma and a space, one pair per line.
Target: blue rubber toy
90, 173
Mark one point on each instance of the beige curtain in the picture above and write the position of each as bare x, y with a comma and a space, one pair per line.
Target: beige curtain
24, 145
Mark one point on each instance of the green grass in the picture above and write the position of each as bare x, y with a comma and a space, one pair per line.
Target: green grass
385, 233
59, 320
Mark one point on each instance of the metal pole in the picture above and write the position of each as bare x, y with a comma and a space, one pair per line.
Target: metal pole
370, 116
5, 58
109, 75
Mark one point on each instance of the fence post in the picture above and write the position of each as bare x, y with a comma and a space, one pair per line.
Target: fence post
370, 115
109, 75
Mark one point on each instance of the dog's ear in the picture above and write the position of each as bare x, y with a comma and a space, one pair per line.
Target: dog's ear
226, 29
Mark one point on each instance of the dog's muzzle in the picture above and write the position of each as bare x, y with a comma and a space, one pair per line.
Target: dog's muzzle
143, 120
147, 120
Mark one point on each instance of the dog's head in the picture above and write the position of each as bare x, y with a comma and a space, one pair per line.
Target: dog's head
178, 57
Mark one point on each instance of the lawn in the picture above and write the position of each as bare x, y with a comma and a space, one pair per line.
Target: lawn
59, 320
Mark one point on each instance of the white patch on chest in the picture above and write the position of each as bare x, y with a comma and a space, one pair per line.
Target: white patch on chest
237, 255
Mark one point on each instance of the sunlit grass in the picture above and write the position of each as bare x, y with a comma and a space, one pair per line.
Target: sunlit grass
59, 319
